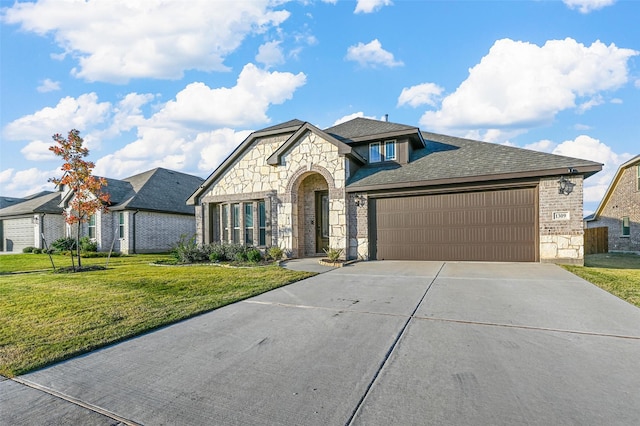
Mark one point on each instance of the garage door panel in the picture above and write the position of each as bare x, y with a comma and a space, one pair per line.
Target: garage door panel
486, 226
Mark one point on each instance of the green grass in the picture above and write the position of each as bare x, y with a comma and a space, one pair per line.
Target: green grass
49, 317
619, 274
37, 262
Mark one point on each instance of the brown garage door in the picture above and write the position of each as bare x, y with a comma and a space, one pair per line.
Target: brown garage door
495, 225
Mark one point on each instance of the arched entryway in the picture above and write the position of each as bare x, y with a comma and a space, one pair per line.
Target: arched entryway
310, 194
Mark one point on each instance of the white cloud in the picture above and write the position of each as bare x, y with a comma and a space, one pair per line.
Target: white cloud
594, 101
38, 151
70, 113
637, 83
544, 145
369, 6
20, 183
421, 94
519, 84
346, 118
616, 101
588, 148
244, 104
371, 55
117, 40
270, 54
580, 126
48, 85
586, 6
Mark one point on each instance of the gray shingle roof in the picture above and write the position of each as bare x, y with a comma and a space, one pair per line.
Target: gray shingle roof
155, 190
44, 202
291, 123
448, 159
361, 127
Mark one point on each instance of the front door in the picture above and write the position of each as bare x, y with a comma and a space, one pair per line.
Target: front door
322, 221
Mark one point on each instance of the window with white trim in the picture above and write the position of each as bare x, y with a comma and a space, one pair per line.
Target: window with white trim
120, 224
389, 150
92, 226
262, 224
243, 223
375, 156
382, 151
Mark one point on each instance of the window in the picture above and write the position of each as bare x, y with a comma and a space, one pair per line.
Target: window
121, 225
374, 152
248, 223
92, 226
262, 224
626, 227
235, 222
638, 174
225, 222
382, 151
390, 150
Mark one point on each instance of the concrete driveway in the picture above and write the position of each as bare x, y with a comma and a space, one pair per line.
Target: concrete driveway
374, 343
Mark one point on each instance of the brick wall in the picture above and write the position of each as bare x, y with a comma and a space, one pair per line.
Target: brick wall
560, 221
358, 226
624, 201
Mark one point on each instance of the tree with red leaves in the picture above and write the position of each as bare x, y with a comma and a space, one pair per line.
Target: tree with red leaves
88, 197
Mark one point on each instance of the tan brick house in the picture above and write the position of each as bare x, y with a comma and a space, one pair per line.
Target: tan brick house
619, 209
381, 190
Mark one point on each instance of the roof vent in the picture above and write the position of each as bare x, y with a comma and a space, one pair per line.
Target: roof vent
386, 117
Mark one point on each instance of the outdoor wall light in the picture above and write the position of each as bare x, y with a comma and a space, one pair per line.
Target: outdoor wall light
565, 186
360, 200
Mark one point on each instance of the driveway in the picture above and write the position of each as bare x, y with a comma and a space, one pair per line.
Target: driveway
373, 343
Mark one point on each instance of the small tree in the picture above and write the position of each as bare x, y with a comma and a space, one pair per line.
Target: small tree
88, 197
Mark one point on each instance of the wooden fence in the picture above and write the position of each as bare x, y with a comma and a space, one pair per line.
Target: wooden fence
596, 240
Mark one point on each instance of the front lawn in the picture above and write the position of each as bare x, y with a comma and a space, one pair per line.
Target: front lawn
49, 317
619, 274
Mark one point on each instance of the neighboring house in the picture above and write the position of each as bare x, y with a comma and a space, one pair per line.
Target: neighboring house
30, 221
381, 190
147, 212
619, 210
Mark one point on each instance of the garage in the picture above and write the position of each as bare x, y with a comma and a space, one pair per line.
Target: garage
493, 225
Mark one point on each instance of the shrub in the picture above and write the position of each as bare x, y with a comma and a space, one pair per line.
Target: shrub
87, 245
187, 251
275, 253
37, 251
241, 256
64, 244
28, 249
254, 255
333, 254
94, 254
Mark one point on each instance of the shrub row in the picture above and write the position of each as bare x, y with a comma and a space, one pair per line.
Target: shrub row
188, 251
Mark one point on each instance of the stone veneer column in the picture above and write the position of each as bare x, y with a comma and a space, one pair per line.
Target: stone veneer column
561, 240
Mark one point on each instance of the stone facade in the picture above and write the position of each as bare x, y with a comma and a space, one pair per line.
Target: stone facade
560, 221
623, 201
309, 165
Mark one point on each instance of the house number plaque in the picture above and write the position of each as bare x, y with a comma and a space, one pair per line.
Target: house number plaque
560, 216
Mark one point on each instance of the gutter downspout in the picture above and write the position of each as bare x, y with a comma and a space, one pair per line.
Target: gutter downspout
133, 230
42, 230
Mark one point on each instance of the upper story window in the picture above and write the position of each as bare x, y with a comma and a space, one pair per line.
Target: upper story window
375, 155
626, 226
382, 151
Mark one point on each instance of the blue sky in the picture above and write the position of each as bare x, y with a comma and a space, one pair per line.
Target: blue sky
180, 84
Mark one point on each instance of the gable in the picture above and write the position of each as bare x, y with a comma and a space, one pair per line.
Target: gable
626, 172
253, 165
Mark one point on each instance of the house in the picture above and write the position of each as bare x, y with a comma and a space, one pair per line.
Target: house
147, 212
33, 221
382, 190
619, 210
